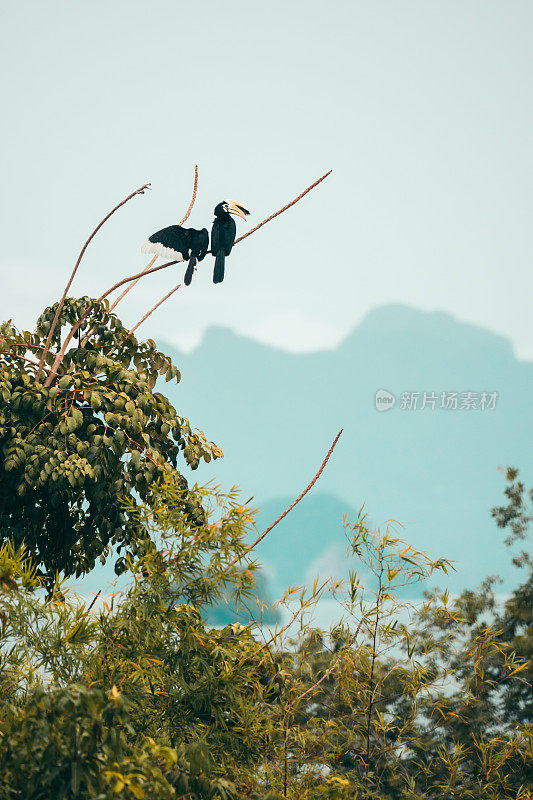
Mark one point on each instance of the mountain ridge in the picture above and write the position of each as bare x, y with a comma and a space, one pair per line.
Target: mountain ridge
275, 414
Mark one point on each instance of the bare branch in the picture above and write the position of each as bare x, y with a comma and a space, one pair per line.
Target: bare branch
141, 190
154, 259
95, 598
154, 308
281, 631
132, 284
300, 497
25, 358
145, 272
281, 210
260, 225
141, 274
374, 654
59, 357
193, 199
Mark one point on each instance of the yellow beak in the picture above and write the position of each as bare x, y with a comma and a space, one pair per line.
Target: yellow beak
237, 209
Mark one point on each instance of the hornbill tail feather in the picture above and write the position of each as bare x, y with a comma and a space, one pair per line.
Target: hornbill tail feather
218, 273
189, 272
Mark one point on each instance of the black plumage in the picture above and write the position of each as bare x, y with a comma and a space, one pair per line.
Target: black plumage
188, 244
223, 234
179, 244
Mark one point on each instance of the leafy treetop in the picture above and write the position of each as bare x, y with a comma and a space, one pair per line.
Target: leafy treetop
74, 450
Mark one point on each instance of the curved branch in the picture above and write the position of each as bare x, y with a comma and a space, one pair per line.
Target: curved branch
193, 199
145, 272
260, 225
141, 190
154, 259
59, 357
300, 497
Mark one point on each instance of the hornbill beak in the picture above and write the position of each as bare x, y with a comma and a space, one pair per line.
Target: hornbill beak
237, 209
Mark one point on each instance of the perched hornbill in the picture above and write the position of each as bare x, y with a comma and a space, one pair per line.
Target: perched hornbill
179, 244
223, 234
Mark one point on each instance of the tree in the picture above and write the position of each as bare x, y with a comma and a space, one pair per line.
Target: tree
142, 698
73, 450
82, 428
403, 702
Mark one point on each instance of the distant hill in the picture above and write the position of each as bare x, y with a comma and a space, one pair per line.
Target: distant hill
274, 414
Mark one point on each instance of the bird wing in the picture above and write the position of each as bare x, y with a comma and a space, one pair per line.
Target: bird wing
201, 244
171, 242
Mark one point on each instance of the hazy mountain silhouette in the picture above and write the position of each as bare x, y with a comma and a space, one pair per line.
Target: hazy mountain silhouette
274, 414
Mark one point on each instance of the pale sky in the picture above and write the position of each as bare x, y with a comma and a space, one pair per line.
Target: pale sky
422, 109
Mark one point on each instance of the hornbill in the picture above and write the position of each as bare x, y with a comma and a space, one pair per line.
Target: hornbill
179, 244
223, 234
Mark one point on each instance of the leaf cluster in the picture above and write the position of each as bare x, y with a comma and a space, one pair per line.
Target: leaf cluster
73, 450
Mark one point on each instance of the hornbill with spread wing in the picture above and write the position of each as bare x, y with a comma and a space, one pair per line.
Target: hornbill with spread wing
223, 234
179, 244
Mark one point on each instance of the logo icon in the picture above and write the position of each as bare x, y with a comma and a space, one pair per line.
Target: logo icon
384, 400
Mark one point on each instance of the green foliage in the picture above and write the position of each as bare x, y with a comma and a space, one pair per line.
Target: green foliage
517, 514
185, 681
140, 698
77, 742
72, 449
433, 704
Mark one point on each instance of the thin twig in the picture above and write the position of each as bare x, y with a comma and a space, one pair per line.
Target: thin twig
154, 259
27, 345
95, 598
264, 222
373, 664
141, 190
281, 631
154, 308
145, 272
300, 497
285, 763
132, 284
328, 672
59, 357
25, 358
140, 322
281, 210
193, 199
119, 298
